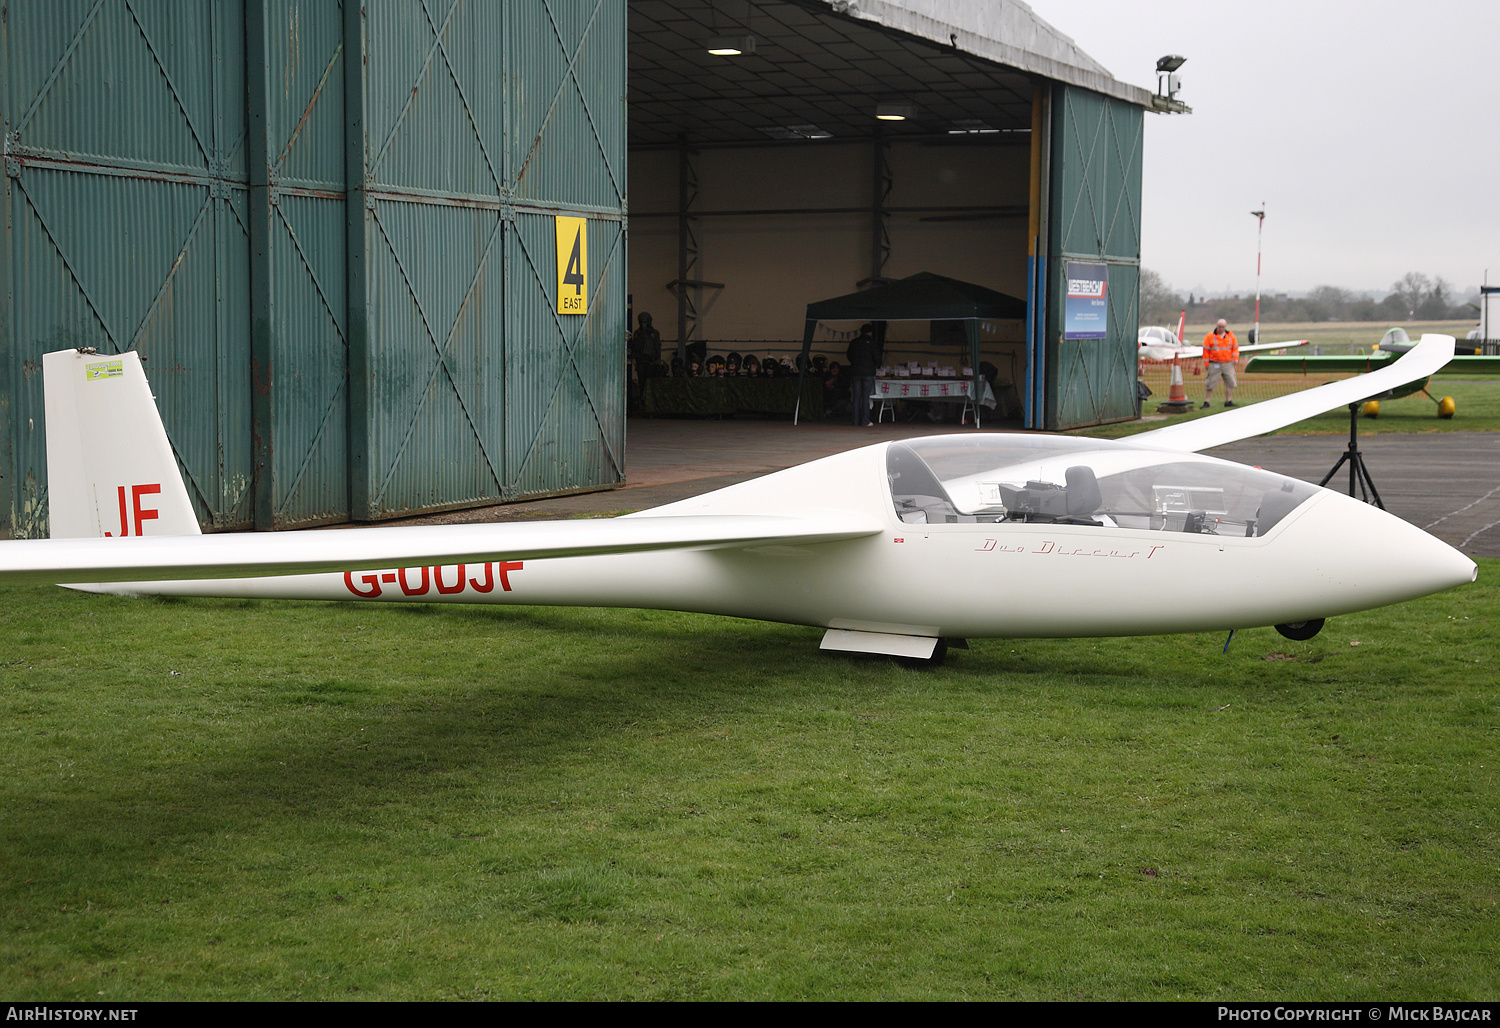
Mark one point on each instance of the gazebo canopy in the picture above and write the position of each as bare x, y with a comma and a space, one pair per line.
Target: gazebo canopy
920, 297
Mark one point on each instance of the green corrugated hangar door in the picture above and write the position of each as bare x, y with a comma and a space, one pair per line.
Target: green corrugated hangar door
1095, 208
329, 230
126, 228
564, 401
476, 128
294, 56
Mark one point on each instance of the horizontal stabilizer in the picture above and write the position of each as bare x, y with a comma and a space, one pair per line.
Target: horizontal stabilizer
1421, 361
253, 555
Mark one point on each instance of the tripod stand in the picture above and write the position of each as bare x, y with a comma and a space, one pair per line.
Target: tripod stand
1358, 472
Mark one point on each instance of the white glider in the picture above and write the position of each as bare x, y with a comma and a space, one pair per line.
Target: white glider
896, 548
1162, 344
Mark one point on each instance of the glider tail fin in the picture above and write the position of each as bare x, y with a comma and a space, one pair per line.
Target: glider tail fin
110, 466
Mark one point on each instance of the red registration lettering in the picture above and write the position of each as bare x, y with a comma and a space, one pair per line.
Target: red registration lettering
420, 590
448, 590
489, 581
373, 581
504, 567
124, 517
143, 513
367, 586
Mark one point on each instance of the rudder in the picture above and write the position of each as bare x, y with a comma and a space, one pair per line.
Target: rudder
110, 467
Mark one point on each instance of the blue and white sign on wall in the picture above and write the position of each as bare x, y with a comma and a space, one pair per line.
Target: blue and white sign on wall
1087, 311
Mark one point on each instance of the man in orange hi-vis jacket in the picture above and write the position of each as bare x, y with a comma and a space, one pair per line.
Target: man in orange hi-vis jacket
1221, 350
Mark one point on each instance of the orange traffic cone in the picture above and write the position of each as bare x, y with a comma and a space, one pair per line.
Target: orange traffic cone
1177, 401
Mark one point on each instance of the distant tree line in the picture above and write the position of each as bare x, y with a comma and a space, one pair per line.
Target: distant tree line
1414, 297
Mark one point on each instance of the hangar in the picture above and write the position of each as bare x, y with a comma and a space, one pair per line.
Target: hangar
334, 230
850, 144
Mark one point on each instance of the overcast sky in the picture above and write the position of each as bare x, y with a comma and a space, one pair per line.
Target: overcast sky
1371, 131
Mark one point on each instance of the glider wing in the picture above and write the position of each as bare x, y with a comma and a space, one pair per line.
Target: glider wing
1255, 347
245, 555
1421, 361
1187, 353
1463, 364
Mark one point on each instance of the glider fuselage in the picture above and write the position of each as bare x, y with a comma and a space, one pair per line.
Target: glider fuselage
973, 578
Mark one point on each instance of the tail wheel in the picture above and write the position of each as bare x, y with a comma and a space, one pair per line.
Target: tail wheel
1301, 630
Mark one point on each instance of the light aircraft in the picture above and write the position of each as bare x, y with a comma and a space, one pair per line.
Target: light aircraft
1393, 344
1398, 342
1161, 344
899, 548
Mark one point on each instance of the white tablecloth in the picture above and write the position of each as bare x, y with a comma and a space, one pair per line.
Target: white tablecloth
933, 389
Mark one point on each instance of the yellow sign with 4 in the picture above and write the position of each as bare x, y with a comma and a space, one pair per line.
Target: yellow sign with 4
572, 265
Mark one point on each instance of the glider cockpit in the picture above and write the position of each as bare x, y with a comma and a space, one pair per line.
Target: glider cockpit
1032, 479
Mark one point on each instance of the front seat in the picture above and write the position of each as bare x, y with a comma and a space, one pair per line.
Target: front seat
1083, 496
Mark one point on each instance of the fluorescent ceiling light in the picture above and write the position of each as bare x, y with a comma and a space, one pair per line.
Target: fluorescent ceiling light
894, 111
731, 46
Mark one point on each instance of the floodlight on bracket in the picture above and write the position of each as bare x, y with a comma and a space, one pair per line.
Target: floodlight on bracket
1168, 84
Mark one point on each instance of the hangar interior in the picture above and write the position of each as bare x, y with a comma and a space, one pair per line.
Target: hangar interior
849, 145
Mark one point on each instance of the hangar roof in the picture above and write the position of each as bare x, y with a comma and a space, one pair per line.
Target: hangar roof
819, 67
1005, 31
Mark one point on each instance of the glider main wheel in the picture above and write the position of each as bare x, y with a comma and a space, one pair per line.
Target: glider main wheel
1301, 631
1446, 407
939, 653
1371, 409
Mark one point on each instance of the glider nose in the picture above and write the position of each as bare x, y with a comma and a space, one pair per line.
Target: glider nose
1441, 566
1381, 557
1431, 564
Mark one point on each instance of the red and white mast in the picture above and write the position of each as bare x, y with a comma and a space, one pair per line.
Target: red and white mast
1260, 226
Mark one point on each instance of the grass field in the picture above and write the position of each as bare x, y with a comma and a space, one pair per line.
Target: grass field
226, 799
